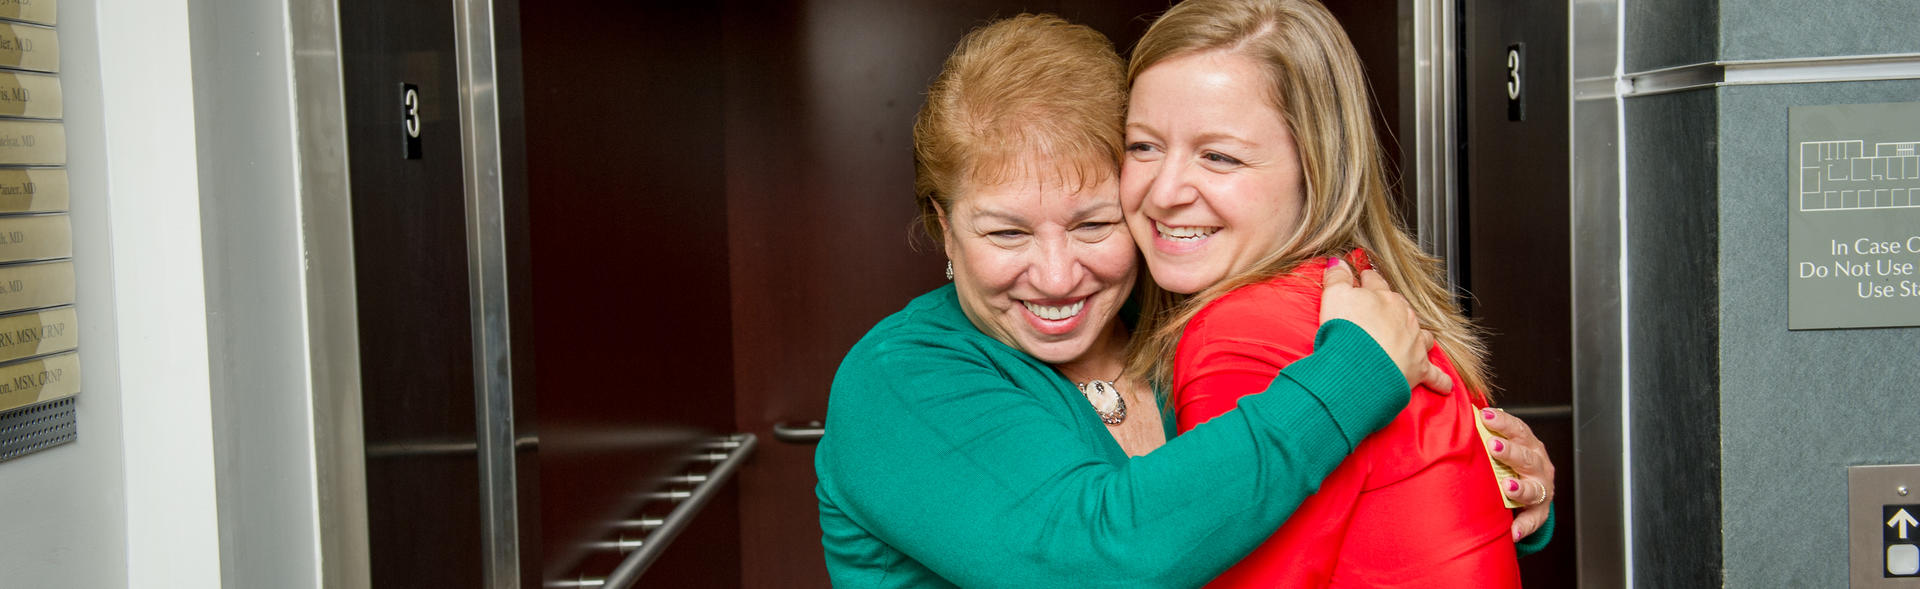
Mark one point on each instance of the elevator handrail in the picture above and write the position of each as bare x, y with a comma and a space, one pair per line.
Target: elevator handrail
636, 562
799, 433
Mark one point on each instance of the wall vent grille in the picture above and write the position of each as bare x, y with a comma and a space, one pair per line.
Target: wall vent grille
33, 428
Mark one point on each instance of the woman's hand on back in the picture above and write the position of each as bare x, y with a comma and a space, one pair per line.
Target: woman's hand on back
1527, 456
1387, 317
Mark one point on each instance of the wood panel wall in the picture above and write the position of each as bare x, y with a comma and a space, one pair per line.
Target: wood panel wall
632, 322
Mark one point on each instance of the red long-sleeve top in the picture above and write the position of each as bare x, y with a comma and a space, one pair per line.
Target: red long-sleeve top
1416, 505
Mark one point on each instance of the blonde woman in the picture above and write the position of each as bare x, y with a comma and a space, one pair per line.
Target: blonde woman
1251, 167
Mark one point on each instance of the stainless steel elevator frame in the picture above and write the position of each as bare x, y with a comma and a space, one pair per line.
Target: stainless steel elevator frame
1599, 282
1429, 62
1429, 104
333, 336
476, 64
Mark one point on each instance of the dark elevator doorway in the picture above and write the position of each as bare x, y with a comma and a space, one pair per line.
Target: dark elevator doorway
718, 204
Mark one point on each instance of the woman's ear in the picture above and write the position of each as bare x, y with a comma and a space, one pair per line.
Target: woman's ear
946, 229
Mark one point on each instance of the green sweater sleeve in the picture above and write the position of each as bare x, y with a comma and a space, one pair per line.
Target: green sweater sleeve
943, 465
1536, 541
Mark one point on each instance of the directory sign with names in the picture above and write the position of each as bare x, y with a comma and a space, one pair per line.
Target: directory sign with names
39, 341
1853, 216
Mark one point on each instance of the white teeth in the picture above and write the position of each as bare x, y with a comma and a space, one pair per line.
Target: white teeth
1055, 313
1183, 233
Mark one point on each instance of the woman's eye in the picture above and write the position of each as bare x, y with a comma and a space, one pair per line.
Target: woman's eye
1007, 237
1139, 147
1093, 231
1220, 158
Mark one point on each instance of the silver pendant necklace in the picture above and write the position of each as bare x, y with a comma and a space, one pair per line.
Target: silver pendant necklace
1106, 400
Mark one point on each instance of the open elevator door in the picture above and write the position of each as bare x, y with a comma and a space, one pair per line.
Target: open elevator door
677, 185
1513, 229
495, 286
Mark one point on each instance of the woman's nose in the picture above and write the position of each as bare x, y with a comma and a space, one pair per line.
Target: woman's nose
1057, 271
1171, 187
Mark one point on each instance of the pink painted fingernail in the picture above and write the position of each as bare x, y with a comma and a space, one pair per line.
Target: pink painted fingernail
1513, 485
1331, 262
1487, 413
1498, 447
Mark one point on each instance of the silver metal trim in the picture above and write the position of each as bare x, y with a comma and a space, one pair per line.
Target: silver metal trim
1537, 412
644, 523
649, 550
1675, 79
325, 212
439, 447
1806, 70
477, 71
1603, 541
1824, 69
799, 433
1602, 88
1434, 128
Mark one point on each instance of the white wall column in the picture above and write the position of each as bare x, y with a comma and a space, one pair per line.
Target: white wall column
159, 293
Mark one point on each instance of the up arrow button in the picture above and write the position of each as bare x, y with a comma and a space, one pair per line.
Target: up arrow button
1901, 520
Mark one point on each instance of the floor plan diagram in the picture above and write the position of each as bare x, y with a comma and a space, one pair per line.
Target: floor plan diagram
1848, 175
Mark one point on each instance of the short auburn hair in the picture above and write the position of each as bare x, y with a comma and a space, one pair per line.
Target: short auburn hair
1032, 96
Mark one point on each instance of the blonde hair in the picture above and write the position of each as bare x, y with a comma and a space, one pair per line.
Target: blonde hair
1031, 96
1317, 84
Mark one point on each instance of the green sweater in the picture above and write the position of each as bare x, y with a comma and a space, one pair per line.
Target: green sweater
951, 458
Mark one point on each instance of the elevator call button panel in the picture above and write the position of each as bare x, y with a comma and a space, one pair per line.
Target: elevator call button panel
1883, 526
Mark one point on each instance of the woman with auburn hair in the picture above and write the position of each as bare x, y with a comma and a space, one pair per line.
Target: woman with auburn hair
974, 438
1251, 167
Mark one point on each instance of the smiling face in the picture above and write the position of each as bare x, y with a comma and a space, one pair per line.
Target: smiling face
1212, 180
1040, 266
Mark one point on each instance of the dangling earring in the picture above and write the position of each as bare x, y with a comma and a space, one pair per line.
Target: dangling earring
949, 269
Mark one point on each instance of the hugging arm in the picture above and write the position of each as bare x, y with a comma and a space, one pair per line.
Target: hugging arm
976, 483
1372, 304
